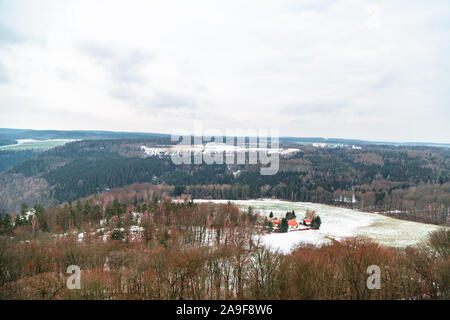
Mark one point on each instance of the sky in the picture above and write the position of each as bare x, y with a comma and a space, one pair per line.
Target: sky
373, 70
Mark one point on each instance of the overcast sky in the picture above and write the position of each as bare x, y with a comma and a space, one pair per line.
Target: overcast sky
376, 70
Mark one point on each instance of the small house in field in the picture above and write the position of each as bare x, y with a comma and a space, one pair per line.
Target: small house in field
292, 224
275, 222
307, 222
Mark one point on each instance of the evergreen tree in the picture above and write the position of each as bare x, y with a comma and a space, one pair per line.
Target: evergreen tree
284, 226
6, 225
316, 222
269, 226
116, 208
117, 234
179, 190
290, 215
23, 209
40, 215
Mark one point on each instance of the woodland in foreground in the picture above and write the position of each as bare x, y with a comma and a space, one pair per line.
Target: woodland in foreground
159, 249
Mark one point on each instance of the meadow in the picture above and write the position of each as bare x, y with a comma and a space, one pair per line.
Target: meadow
337, 224
26, 144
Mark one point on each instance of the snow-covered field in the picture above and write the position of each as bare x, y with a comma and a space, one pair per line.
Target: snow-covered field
214, 147
337, 223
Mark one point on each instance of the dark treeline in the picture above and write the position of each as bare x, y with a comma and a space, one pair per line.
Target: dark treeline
16, 134
9, 158
198, 251
94, 176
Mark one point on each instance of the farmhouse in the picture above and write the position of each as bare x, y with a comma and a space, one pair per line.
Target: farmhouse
276, 222
292, 224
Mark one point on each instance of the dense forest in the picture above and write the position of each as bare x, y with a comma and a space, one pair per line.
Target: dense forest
144, 246
6, 142
17, 134
405, 181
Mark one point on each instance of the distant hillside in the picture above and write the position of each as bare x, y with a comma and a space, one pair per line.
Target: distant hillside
9, 156
356, 142
14, 134
6, 142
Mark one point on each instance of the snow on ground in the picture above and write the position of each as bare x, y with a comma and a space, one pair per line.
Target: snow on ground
137, 217
285, 242
213, 147
30, 214
337, 223
136, 231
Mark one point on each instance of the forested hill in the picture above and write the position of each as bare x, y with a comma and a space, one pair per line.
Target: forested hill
405, 181
16, 134
10, 137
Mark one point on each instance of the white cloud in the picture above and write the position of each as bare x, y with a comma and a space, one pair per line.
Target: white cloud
376, 70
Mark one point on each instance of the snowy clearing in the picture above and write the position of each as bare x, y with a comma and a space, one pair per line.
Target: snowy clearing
337, 223
25, 144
